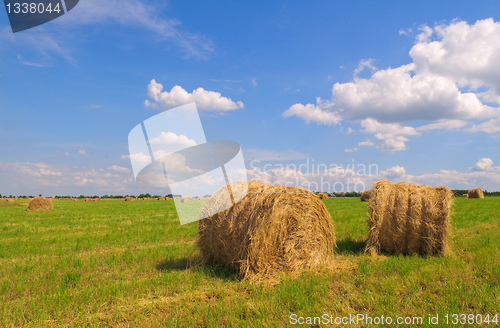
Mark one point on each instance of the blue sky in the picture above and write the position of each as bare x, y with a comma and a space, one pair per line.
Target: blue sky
417, 84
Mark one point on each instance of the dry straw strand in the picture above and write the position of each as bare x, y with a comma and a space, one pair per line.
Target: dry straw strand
408, 218
272, 229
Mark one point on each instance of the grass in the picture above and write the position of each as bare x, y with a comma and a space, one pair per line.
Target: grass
116, 263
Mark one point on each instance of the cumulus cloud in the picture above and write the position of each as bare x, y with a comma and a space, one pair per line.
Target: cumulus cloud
393, 135
82, 152
452, 64
484, 164
172, 139
367, 143
204, 99
491, 126
313, 113
350, 150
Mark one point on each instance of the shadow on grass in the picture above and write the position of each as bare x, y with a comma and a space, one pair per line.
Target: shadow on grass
195, 265
349, 246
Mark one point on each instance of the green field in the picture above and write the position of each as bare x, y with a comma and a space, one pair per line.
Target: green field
130, 264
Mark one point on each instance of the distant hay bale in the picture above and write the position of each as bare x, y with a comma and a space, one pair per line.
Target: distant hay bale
74, 199
408, 218
88, 200
186, 199
476, 193
161, 198
323, 195
129, 199
96, 199
272, 229
365, 195
39, 204
9, 200
465, 195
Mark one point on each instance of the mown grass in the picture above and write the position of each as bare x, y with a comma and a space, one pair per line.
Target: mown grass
116, 263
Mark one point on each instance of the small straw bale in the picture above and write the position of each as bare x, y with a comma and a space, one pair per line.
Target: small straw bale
465, 195
9, 200
476, 193
96, 199
161, 198
39, 204
186, 199
88, 200
129, 199
408, 218
365, 195
323, 195
270, 230
74, 199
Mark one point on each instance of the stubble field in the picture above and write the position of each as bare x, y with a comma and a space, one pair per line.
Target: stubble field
116, 263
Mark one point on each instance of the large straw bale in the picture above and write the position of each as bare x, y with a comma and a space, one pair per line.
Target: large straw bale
186, 199
408, 218
161, 198
40, 204
365, 195
272, 229
323, 195
129, 199
476, 193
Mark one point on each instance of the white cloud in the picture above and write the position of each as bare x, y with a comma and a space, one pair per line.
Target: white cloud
491, 126
82, 152
66, 153
254, 82
172, 139
392, 134
484, 164
447, 125
367, 143
450, 63
118, 169
204, 99
350, 150
405, 32
365, 63
396, 173
350, 130
312, 113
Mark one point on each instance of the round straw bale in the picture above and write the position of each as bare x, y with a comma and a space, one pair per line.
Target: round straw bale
272, 229
323, 195
408, 218
365, 195
96, 199
129, 199
9, 200
74, 199
39, 204
476, 193
186, 199
161, 198
465, 195
87, 199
